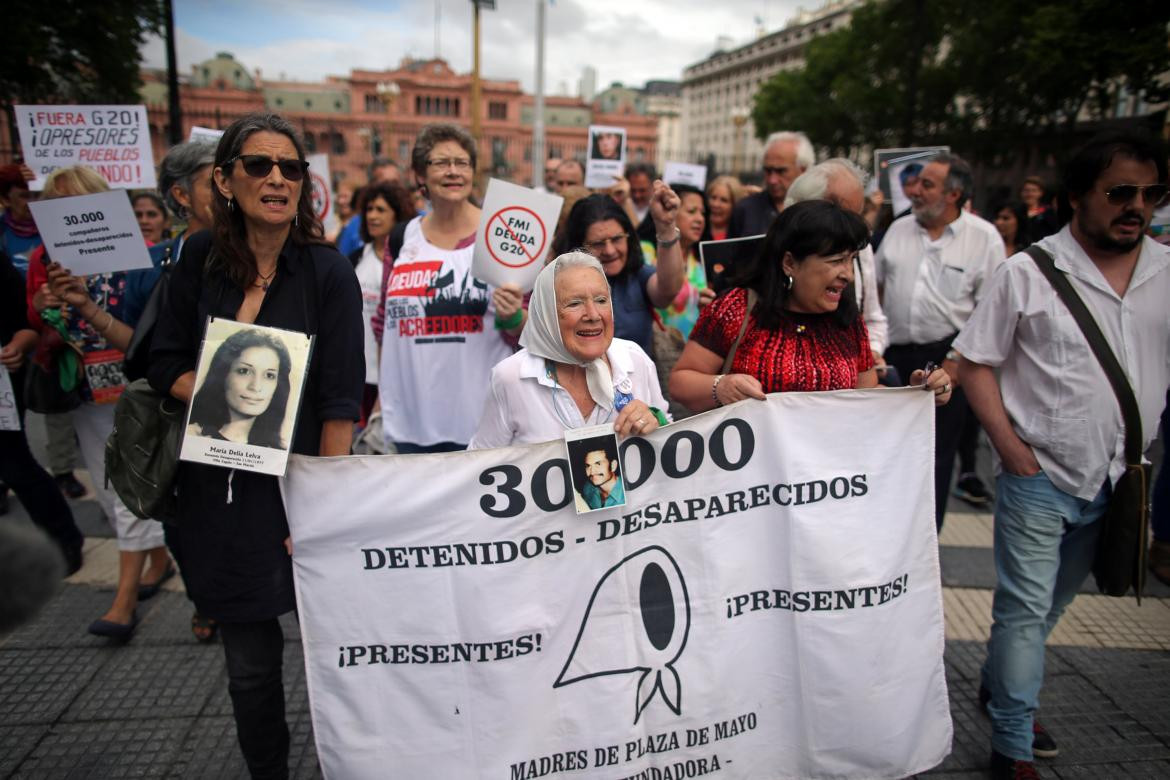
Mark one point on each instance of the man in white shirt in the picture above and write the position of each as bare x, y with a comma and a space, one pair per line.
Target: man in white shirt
932, 266
1053, 417
842, 183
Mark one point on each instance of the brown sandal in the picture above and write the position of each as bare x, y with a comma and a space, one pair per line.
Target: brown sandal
204, 628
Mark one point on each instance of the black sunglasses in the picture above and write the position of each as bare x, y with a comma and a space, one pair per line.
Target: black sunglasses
1125, 193
258, 166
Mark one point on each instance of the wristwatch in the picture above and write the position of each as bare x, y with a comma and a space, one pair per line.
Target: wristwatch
953, 355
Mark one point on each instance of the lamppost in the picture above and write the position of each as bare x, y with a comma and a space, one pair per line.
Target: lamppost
739, 116
388, 92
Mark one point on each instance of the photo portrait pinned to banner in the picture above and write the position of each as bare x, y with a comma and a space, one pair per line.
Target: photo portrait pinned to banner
249, 384
595, 468
607, 156
897, 169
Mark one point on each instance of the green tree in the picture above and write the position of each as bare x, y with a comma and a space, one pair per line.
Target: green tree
75, 51
985, 76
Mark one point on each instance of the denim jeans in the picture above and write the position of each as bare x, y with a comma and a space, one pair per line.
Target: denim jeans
1045, 541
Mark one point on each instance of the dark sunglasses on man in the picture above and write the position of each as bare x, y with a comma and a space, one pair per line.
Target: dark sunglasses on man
258, 166
1125, 193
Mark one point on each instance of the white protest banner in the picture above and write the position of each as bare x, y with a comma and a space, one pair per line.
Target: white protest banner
324, 199
205, 135
685, 173
90, 234
606, 160
766, 604
249, 384
515, 234
113, 140
9, 416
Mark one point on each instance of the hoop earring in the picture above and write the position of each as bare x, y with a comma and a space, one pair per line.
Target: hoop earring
231, 205
296, 220
787, 282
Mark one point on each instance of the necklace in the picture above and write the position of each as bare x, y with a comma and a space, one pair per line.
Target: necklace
265, 280
551, 371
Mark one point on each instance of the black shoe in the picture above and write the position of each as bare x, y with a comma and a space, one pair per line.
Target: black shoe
150, 590
120, 632
69, 485
1043, 745
1004, 768
970, 489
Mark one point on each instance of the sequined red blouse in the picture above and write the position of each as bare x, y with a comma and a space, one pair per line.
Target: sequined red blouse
807, 351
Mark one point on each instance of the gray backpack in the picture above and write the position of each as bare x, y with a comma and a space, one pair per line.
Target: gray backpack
142, 453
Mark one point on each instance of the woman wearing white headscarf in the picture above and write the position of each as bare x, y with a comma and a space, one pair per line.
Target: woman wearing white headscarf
571, 371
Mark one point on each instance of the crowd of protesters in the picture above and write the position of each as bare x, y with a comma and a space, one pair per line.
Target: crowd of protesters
840, 294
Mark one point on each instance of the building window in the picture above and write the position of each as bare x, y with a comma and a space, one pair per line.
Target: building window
554, 151
404, 152
497, 110
310, 143
337, 141
308, 103
280, 101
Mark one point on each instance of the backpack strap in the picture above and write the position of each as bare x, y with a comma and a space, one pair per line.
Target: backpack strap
1130, 413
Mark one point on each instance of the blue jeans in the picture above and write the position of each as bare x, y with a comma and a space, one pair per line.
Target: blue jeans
1045, 541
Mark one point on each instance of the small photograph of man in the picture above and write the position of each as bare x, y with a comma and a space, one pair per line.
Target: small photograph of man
596, 471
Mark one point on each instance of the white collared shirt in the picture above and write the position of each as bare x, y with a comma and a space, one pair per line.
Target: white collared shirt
525, 405
1054, 389
931, 287
868, 301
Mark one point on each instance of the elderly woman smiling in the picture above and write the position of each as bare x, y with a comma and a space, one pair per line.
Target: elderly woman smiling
571, 371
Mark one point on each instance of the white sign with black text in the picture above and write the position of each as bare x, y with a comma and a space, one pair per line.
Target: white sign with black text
685, 173
91, 234
324, 198
515, 234
113, 140
767, 603
9, 414
205, 135
606, 161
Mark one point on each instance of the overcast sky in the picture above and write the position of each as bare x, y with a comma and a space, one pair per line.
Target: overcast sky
624, 40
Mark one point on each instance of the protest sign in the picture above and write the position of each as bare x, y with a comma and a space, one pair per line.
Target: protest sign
685, 173
515, 234
766, 604
249, 383
113, 140
9, 415
606, 160
90, 234
324, 199
892, 166
719, 257
594, 468
205, 135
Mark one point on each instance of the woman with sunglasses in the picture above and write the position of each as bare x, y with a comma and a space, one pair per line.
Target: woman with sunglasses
442, 329
264, 261
602, 228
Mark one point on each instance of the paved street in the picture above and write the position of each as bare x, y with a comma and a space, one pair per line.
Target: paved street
74, 706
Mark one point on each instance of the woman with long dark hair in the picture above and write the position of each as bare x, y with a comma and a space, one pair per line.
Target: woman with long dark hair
245, 394
264, 261
804, 330
603, 229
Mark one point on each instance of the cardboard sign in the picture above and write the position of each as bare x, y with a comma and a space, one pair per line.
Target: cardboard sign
607, 156
324, 198
685, 173
515, 234
113, 140
249, 384
92, 234
9, 415
205, 135
720, 256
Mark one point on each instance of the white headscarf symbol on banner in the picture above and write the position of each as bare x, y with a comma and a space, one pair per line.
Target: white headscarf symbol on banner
657, 634
542, 334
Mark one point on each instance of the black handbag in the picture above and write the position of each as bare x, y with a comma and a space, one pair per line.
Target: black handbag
137, 359
43, 393
1122, 546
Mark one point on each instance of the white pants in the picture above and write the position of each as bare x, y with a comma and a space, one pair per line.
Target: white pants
94, 423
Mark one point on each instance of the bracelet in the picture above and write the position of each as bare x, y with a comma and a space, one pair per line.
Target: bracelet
659, 416
714, 386
669, 242
511, 322
109, 321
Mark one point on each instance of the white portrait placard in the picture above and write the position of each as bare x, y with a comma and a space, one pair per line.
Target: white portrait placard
607, 156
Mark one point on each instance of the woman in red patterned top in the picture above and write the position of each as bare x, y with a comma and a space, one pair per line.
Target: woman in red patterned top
805, 331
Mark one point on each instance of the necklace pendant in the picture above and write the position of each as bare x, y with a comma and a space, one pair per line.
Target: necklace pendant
801, 328
264, 286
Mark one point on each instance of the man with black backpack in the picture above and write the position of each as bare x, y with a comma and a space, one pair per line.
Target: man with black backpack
1054, 415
